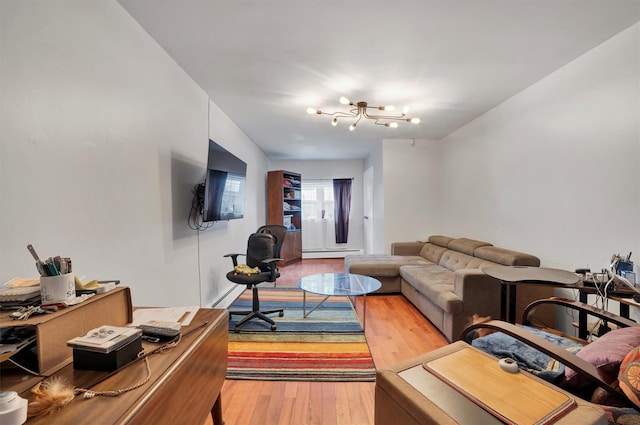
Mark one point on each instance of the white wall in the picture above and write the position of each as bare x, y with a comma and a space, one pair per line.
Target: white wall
335, 169
102, 137
411, 174
554, 171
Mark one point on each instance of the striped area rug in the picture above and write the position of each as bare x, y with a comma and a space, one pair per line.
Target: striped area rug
328, 345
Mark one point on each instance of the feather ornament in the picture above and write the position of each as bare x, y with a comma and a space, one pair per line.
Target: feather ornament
50, 396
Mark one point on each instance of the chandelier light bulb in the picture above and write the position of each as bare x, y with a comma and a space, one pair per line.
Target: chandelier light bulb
359, 110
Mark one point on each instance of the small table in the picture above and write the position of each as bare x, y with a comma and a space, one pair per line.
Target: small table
338, 285
511, 276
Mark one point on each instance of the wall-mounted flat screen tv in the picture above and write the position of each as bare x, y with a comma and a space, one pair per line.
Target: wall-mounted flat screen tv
224, 185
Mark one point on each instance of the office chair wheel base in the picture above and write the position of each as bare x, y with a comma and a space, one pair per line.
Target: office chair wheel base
273, 327
281, 314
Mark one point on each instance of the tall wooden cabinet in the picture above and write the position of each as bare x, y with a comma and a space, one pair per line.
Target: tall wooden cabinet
284, 206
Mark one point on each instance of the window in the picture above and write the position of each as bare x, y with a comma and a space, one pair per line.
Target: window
317, 199
317, 215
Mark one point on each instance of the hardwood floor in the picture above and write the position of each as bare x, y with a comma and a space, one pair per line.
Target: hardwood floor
395, 331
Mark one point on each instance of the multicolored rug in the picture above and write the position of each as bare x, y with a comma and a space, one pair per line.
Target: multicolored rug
328, 345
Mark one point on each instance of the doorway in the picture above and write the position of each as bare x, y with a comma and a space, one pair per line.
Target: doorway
368, 209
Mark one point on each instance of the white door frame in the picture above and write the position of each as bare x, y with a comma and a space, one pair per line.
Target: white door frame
367, 182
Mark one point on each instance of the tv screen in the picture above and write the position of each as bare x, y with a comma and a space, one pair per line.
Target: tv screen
224, 185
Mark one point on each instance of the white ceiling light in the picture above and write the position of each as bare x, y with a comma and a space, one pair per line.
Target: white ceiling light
362, 110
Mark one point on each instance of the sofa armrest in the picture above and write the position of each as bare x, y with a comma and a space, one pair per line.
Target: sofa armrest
580, 307
480, 293
396, 401
407, 248
581, 367
401, 401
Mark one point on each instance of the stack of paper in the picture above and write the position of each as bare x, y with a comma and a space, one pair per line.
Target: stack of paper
19, 292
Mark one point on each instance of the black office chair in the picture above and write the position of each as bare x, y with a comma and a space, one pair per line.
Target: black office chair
258, 256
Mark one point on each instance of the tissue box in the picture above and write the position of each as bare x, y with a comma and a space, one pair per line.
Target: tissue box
93, 360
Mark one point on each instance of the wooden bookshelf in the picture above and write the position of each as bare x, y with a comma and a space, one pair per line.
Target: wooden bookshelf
284, 207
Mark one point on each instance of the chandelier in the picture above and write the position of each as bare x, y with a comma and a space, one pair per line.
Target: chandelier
362, 110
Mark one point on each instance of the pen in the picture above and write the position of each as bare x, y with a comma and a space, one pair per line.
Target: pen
39, 262
51, 269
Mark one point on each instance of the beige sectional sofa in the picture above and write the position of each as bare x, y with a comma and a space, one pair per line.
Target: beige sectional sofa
442, 277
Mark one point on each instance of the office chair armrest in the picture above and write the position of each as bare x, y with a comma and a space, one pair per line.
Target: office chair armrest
234, 258
583, 368
273, 268
271, 260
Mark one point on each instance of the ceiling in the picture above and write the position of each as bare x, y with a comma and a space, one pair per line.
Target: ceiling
263, 62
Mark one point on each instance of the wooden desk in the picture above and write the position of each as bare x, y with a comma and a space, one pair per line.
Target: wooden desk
184, 387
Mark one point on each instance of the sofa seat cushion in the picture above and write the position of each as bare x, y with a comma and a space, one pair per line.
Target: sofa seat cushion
380, 265
436, 283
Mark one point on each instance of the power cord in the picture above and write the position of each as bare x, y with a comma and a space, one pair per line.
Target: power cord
195, 220
605, 285
55, 393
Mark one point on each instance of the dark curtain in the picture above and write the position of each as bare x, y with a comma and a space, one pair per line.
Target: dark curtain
342, 207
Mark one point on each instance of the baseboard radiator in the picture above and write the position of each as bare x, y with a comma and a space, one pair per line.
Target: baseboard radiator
330, 253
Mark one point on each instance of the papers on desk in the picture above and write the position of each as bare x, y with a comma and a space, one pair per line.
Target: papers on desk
19, 292
20, 282
183, 315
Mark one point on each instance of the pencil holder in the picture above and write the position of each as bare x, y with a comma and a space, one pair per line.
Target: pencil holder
57, 289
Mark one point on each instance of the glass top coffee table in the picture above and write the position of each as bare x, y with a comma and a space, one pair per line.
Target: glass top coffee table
338, 285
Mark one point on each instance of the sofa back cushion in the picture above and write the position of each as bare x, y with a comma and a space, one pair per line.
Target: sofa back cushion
432, 252
439, 240
506, 257
454, 260
467, 246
